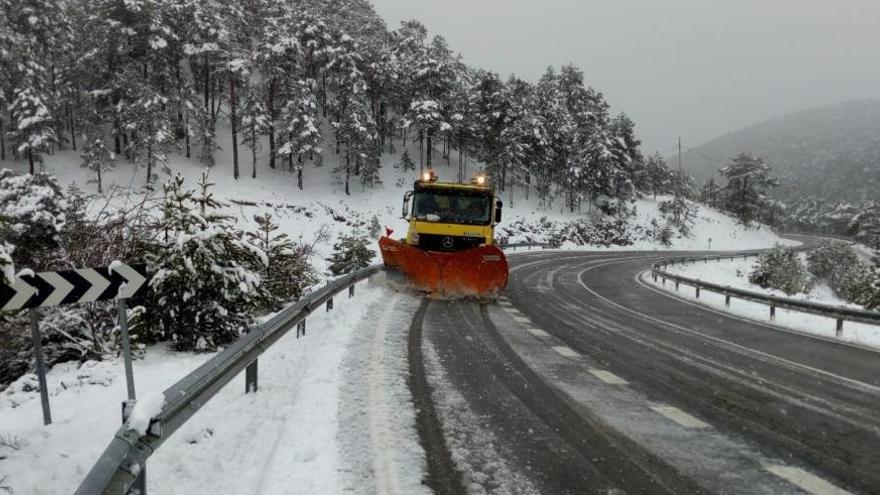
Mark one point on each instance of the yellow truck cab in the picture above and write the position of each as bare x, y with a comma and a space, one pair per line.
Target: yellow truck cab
448, 216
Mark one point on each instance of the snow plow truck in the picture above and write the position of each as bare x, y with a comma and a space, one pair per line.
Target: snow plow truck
449, 249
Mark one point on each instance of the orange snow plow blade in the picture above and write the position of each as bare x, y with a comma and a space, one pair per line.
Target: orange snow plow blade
479, 271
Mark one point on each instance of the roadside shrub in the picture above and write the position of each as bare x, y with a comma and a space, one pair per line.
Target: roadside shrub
350, 253
204, 292
287, 271
829, 261
860, 284
781, 268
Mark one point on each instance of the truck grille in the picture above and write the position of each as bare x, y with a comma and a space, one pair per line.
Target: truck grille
434, 242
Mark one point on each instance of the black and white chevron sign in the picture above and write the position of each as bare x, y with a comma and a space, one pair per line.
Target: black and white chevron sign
73, 286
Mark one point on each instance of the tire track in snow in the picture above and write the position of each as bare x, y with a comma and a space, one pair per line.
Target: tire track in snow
443, 477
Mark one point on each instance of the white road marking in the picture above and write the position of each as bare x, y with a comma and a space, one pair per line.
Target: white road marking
522, 319
538, 333
565, 351
680, 417
807, 481
513, 311
608, 377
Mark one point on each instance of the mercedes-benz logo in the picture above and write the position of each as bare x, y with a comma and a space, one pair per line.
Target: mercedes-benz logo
448, 242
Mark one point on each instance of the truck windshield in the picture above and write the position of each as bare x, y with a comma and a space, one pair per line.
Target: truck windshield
462, 207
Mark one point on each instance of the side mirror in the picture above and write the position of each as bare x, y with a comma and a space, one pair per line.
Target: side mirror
405, 210
498, 207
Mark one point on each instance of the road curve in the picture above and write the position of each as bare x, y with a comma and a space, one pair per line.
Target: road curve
588, 381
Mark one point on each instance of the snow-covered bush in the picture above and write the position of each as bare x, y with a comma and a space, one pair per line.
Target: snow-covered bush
781, 268
287, 272
350, 253
681, 214
829, 261
31, 218
203, 291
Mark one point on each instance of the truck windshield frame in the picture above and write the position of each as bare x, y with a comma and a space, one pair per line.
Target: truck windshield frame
453, 206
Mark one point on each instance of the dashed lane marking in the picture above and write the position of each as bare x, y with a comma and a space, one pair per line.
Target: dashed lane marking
538, 333
522, 319
680, 417
565, 351
608, 377
807, 481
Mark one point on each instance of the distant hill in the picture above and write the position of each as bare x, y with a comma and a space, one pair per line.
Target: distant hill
829, 153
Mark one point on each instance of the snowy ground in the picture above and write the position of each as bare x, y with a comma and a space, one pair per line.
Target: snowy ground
333, 415
734, 273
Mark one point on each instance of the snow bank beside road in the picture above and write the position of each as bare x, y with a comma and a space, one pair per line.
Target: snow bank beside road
300, 433
735, 274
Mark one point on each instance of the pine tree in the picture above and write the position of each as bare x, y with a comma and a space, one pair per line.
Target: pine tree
34, 128
748, 185
781, 268
710, 193
375, 227
350, 253
203, 293
406, 163
286, 271
254, 122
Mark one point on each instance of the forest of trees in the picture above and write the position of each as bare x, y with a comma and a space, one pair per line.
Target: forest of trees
138, 80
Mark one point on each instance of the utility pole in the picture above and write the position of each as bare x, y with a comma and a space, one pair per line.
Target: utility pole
679, 179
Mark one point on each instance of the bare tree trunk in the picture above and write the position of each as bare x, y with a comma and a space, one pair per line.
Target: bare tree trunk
207, 82
2, 142
429, 150
347, 170
234, 125
117, 147
149, 163
100, 185
299, 172
186, 123
31, 160
72, 127
254, 151
270, 106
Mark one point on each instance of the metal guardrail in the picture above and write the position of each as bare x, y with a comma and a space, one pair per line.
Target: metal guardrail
839, 313
125, 458
513, 246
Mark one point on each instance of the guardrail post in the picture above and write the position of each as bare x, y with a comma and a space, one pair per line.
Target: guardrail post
139, 486
301, 328
654, 274
351, 290
664, 281
698, 291
250, 377
839, 330
329, 304
727, 300
40, 365
772, 313
122, 317
676, 286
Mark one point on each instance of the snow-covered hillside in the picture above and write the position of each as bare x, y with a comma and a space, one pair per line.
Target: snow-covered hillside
323, 204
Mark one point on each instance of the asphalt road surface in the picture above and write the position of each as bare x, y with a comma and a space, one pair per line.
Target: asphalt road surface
584, 379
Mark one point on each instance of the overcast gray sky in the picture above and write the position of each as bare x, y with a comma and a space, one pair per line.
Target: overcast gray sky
690, 68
